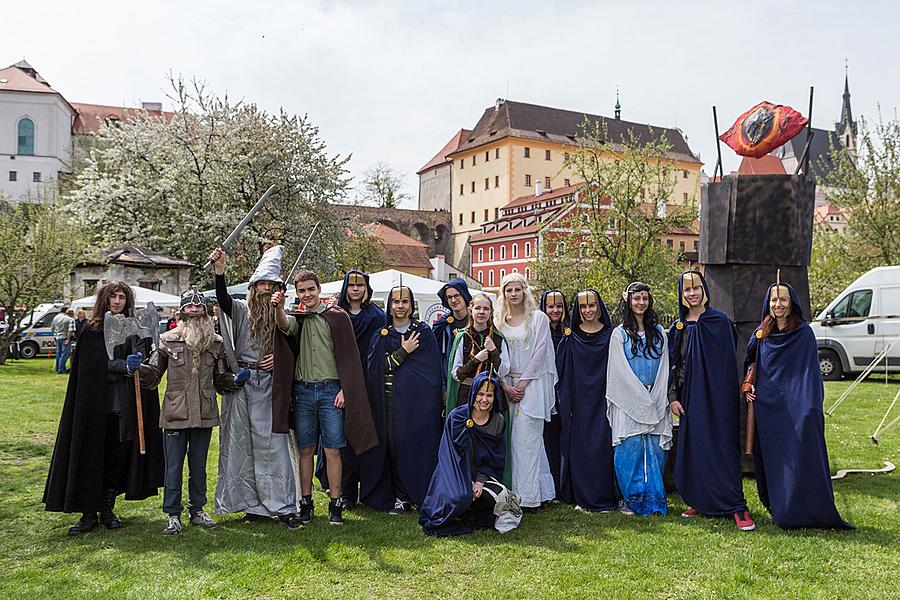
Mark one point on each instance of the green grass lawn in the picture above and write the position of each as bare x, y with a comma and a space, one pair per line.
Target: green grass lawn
555, 553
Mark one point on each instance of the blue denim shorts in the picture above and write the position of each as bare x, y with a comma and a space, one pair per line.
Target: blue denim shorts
315, 413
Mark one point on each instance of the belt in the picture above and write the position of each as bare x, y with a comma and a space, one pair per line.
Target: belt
324, 382
247, 365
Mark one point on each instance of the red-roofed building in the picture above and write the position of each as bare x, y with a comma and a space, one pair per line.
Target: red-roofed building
403, 252
40, 130
91, 117
831, 217
511, 243
524, 231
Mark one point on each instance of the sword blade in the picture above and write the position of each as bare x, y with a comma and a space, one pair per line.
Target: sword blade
237, 230
302, 251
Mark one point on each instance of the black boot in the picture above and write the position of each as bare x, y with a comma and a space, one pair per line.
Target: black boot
107, 516
87, 522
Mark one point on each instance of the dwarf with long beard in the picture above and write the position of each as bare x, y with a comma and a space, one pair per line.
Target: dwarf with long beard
193, 358
256, 470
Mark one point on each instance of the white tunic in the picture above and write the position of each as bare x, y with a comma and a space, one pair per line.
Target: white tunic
531, 356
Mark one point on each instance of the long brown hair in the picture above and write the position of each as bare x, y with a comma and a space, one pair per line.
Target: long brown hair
770, 325
101, 305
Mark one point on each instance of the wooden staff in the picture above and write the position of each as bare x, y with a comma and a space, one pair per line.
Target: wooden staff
751, 428
140, 410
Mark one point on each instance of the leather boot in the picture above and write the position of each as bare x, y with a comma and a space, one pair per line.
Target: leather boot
107, 516
87, 522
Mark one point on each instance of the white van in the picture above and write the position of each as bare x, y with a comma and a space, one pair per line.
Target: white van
857, 325
37, 338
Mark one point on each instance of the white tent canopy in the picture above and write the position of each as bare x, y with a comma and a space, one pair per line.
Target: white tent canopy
425, 291
141, 297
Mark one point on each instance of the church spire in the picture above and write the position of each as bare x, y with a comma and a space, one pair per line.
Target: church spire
618, 105
846, 111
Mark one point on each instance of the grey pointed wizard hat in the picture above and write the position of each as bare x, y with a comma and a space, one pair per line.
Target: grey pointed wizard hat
269, 268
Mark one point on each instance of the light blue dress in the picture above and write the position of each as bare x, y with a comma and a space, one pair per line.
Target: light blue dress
639, 459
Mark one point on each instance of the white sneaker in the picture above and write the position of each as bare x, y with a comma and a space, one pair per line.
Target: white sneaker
202, 519
173, 526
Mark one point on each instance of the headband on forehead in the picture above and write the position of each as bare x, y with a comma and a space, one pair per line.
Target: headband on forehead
779, 290
585, 296
689, 280
356, 278
554, 298
401, 292
488, 385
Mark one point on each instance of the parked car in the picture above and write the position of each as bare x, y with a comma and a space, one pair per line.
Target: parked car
37, 338
859, 323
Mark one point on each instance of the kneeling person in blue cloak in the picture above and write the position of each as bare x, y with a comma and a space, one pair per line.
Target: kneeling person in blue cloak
704, 394
784, 387
465, 493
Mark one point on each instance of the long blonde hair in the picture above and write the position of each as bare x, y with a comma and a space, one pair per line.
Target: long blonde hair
502, 310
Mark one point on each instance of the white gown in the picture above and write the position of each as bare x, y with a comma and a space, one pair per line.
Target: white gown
531, 356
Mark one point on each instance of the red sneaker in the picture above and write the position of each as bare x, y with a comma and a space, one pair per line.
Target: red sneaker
743, 521
691, 512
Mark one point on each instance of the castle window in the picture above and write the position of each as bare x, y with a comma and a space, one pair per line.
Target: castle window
528, 180
487, 155
546, 155
26, 137
527, 152
496, 181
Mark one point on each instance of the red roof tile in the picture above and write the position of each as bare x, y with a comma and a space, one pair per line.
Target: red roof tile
92, 116
14, 79
402, 250
764, 165
441, 157
551, 195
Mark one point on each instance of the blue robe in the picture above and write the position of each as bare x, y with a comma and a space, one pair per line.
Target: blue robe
369, 320
416, 419
464, 451
587, 469
553, 427
708, 460
792, 472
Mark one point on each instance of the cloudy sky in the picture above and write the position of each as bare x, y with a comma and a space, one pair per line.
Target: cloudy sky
392, 81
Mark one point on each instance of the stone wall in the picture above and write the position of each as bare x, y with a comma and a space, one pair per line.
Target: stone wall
431, 227
170, 280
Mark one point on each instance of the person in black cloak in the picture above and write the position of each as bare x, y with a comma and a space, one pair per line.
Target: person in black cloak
367, 318
587, 473
553, 304
784, 386
704, 393
405, 390
466, 493
97, 452
455, 297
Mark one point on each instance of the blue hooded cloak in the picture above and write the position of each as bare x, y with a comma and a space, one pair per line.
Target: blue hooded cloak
464, 451
416, 418
708, 460
792, 472
553, 427
445, 328
587, 471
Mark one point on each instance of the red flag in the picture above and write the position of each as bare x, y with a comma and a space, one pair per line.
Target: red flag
763, 128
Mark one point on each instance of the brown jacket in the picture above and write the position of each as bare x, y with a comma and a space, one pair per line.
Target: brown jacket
190, 399
359, 427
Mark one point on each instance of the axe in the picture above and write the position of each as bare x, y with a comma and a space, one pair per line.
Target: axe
117, 329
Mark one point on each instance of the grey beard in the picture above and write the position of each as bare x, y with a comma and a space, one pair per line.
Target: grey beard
198, 333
